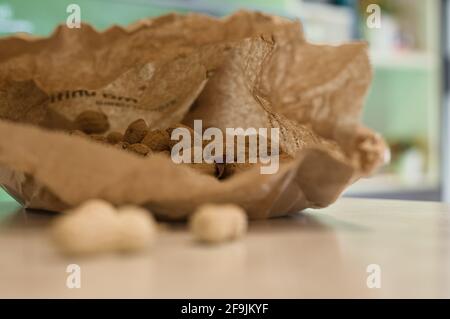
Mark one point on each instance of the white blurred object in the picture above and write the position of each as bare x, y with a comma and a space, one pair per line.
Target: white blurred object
387, 156
411, 167
10, 25
323, 23
385, 39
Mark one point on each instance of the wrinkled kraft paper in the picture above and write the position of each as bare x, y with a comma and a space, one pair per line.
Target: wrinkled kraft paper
246, 70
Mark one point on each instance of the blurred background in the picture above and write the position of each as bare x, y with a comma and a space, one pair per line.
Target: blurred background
407, 101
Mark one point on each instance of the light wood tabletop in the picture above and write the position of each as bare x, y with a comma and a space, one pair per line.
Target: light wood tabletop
402, 246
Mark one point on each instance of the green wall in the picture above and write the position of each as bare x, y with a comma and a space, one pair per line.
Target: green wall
399, 102
44, 15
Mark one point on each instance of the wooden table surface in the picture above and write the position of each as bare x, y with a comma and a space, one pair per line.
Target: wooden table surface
311, 254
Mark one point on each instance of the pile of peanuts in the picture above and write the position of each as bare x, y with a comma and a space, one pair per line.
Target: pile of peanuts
139, 139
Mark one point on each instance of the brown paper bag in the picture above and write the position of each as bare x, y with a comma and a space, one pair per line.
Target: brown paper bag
246, 70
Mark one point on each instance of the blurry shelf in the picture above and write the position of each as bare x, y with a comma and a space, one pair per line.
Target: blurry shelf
320, 11
403, 60
324, 23
388, 183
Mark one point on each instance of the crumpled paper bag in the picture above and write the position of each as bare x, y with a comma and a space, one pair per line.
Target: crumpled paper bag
246, 70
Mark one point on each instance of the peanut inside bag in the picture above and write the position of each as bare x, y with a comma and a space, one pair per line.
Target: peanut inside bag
247, 70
